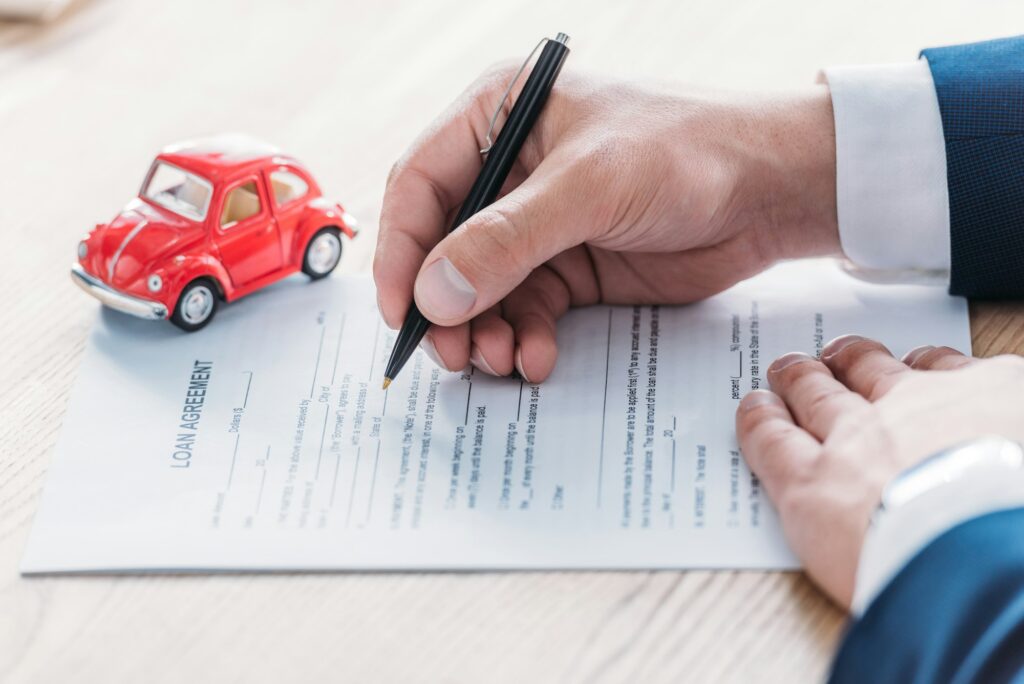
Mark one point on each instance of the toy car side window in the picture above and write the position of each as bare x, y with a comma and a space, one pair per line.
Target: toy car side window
241, 203
287, 186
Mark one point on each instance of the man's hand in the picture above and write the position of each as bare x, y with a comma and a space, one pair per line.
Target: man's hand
834, 432
622, 194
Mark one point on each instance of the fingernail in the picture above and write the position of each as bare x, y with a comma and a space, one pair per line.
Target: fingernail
839, 344
444, 293
915, 354
427, 345
519, 364
478, 360
787, 360
759, 398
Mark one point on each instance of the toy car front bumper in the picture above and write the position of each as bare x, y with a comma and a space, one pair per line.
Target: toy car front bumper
136, 306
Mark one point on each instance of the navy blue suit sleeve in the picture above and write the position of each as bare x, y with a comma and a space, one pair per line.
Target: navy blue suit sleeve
955, 613
980, 89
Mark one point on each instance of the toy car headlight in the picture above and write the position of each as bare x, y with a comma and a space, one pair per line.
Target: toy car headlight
154, 283
349, 220
83, 249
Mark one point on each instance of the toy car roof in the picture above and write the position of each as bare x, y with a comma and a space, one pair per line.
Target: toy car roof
220, 155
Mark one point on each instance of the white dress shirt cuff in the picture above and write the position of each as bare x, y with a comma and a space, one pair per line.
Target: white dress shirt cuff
891, 192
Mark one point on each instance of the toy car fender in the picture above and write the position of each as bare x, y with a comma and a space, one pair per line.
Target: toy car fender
322, 213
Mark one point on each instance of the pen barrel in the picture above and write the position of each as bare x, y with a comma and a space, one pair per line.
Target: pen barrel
414, 327
524, 114
499, 161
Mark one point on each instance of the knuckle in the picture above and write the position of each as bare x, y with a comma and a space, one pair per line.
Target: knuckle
848, 426
884, 381
603, 159
605, 152
853, 424
820, 402
495, 243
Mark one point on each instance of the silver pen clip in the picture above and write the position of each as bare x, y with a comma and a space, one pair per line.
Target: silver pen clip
508, 91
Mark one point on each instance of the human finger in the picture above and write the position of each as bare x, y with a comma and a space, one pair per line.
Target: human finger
533, 310
448, 347
494, 251
866, 366
424, 187
492, 343
936, 358
814, 397
773, 445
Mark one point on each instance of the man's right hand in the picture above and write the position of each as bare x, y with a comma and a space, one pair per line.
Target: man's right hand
622, 194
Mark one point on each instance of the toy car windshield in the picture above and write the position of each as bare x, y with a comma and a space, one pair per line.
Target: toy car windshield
184, 193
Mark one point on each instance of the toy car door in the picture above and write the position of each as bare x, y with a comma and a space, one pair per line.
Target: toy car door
246, 233
289, 191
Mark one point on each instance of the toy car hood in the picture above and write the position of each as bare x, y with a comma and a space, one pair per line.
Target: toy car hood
137, 240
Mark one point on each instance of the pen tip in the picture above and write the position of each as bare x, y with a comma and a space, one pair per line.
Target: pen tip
387, 382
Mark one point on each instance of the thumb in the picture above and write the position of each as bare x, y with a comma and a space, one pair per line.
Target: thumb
486, 257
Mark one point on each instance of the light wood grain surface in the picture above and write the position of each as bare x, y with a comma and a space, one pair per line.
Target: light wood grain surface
345, 86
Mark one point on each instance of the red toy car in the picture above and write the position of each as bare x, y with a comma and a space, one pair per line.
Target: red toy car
215, 220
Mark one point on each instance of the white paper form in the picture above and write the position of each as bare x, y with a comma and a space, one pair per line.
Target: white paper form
265, 442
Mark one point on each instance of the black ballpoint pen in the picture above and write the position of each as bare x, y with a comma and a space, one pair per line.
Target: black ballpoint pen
500, 158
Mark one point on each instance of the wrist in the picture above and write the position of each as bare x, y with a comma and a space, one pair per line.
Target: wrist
794, 174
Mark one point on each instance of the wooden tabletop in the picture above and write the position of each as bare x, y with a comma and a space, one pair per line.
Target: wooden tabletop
85, 103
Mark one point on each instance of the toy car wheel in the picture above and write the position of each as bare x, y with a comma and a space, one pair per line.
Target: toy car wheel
322, 253
196, 305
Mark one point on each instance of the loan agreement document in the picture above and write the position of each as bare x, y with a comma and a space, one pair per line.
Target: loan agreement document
265, 441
